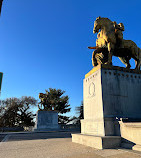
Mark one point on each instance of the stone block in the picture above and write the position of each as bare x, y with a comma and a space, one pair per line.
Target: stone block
131, 135
46, 121
97, 142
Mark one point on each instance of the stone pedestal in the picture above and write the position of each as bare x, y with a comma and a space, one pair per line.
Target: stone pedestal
46, 121
109, 93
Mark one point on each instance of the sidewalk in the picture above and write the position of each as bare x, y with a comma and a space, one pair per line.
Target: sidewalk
54, 145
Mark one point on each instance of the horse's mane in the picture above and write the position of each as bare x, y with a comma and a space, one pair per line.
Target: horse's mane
106, 19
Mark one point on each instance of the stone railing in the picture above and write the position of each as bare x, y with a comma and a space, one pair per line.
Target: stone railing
11, 129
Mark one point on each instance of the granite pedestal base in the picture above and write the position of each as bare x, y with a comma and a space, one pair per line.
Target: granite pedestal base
46, 121
109, 94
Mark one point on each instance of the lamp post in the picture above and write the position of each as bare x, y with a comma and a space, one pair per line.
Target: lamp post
1, 74
1, 1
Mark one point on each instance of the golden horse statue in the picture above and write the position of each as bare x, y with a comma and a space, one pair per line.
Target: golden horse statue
107, 40
44, 104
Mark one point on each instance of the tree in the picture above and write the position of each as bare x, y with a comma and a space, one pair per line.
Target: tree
54, 99
80, 113
26, 116
9, 112
16, 112
64, 119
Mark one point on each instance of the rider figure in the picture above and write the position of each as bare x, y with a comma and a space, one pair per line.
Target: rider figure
119, 28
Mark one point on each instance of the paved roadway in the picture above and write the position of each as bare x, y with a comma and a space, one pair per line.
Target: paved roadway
53, 145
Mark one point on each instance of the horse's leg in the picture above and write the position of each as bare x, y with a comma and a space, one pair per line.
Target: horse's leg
39, 107
125, 61
94, 61
110, 50
137, 62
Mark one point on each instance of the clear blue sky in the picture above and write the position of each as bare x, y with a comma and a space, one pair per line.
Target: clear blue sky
43, 43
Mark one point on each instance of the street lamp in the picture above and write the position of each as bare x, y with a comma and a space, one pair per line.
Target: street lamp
0, 5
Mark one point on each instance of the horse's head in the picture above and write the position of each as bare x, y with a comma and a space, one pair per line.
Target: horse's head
41, 95
97, 25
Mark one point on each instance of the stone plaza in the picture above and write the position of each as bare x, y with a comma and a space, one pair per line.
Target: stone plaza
54, 145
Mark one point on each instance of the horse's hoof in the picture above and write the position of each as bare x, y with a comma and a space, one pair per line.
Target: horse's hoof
137, 69
128, 67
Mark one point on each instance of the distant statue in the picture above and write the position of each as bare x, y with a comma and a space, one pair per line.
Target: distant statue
110, 42
44, 104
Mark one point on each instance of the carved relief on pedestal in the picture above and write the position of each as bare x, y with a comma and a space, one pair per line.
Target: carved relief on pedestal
91, 89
